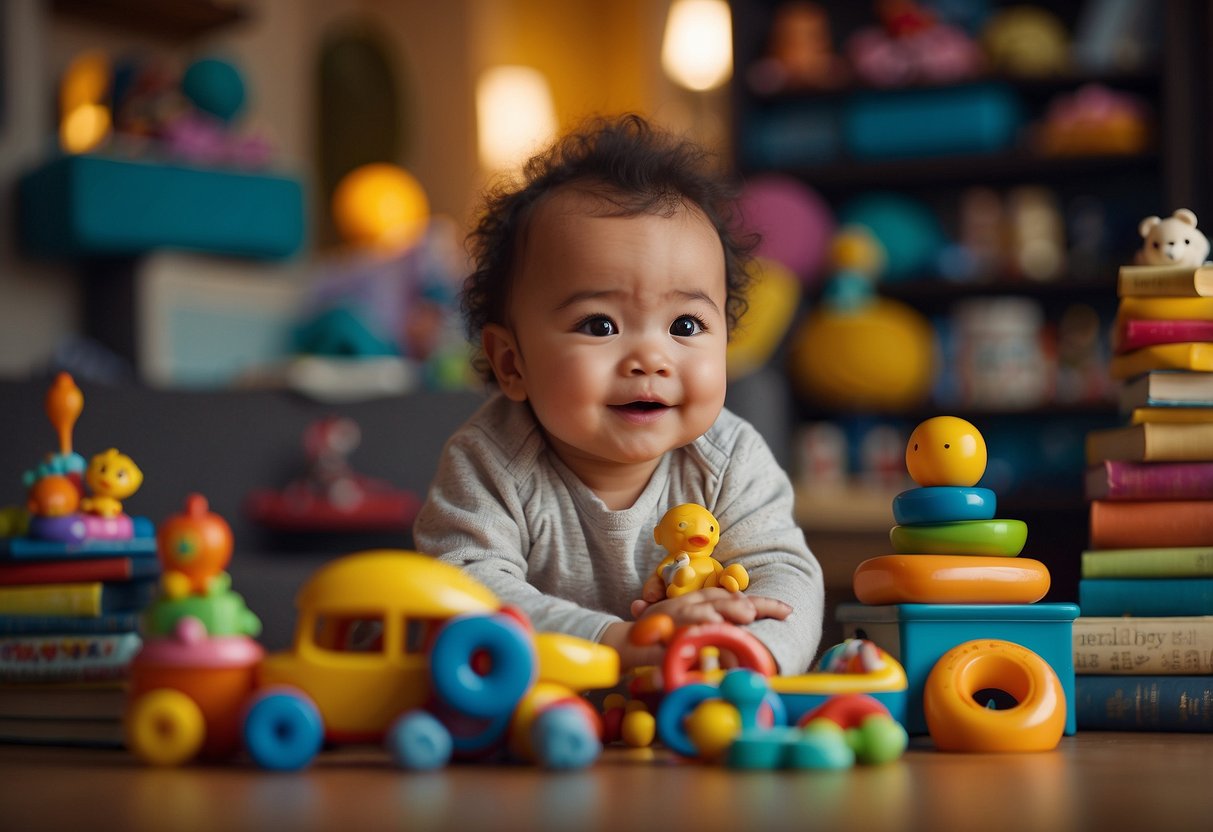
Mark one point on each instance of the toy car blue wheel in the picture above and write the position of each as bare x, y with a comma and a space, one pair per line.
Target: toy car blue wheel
482, 665
562, 739
419, 742
283, 730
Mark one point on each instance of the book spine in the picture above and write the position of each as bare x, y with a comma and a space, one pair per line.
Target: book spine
1135, 334
1176, 562
1156, 480
1196, 355
1166, 281
1144, 703
114, 622
77, 571
1145, 596
77, 657
55, 599
1165, 309
1151, 524
1143, 646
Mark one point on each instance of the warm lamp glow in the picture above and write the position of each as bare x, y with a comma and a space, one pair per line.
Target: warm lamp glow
515, 115
84, 128
697, 51
381, 207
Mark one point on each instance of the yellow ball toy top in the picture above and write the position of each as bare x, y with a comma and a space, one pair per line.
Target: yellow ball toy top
380, 206
946, 450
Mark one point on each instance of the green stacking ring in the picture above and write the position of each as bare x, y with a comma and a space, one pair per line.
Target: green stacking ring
964, 537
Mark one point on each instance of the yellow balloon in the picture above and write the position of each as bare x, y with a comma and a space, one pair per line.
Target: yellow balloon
773, 298
878, 357
380, 206
946, 450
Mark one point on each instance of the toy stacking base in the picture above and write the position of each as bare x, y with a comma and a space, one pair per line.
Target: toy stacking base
918, 635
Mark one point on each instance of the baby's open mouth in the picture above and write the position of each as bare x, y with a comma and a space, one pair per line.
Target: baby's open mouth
642, 406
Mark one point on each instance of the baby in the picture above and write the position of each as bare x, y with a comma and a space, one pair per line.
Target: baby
604, 289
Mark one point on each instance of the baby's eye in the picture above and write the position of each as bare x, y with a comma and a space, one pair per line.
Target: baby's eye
686, 325
599, 326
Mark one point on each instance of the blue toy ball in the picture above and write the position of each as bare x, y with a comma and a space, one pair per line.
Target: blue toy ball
215, 86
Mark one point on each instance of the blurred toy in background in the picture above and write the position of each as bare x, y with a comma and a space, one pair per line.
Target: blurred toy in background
1026, 40
794, 222
912, 45
771, 305
1094, 120
907, 229
331, 495
858, 261
70, 502
800, 52
1174, 241
194, 548
148, 108
1001, 361
1036, 235
1082, 358
689, 533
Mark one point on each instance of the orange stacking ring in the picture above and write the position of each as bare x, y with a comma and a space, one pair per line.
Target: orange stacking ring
950, 579
958, 720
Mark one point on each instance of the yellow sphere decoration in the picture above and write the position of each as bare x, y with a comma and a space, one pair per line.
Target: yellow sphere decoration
877, 357
773, 297
946, 450
712, 727
380, 206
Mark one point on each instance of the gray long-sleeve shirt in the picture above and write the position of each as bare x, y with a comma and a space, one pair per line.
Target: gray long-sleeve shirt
506, 509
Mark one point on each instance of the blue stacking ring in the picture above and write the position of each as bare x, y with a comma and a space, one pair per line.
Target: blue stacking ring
943, 504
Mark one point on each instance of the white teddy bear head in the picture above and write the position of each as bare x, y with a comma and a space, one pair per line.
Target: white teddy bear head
1174, 241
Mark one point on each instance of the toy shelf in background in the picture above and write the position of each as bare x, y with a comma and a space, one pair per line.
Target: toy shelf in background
76, 571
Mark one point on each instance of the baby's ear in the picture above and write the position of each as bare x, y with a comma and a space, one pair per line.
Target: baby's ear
501, 349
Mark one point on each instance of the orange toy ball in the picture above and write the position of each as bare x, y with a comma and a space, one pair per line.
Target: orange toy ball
197, 542
380, 206
946, 450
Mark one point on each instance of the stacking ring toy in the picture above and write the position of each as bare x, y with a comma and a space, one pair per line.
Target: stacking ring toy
682, 655
991, 538
949, 579
944, 504
955, 699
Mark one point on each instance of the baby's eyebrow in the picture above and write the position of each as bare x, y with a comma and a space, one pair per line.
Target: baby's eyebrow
590, 294
697, 294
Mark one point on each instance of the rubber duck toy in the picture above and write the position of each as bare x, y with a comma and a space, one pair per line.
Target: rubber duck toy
111, 478
689, 533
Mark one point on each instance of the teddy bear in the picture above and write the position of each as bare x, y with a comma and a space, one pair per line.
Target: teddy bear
1174, 241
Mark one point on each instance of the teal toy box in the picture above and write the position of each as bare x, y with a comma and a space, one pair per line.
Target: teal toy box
917, 635
98, 206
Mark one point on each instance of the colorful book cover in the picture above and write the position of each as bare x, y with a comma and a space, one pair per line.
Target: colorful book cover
1189, 355
1144, 703
1129, 524
77, 571
1165, 309
1167, 562
1151, 442
25, 548
1165, 281
1119, 479
80, 599
1152, 646
67, 657
1166, 388
1145, 596
1133, 334
111, 622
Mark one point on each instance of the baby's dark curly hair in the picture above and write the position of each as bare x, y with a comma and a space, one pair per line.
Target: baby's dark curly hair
637, 169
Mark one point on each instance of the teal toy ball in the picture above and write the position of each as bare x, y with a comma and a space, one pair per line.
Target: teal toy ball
908, 230
214, 86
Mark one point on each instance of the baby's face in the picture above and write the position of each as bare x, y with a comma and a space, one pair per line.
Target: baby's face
619, 330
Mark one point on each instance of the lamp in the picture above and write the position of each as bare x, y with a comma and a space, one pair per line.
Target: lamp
697, 50
515, 115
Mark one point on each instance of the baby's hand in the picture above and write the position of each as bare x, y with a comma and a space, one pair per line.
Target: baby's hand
711, 605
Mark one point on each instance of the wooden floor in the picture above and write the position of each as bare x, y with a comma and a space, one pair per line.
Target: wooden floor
1095, 781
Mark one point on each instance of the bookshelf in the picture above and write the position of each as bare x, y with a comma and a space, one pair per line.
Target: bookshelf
1171, 169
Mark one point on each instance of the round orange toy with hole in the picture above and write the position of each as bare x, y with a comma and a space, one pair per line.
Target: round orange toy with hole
966, 693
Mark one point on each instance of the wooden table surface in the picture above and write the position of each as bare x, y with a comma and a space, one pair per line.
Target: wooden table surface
1097, 781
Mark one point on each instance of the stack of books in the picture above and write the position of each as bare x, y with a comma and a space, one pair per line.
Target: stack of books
1143, 645
68, 632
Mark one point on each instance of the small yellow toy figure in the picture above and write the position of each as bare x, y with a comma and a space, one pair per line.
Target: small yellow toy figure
689, 533
111, 478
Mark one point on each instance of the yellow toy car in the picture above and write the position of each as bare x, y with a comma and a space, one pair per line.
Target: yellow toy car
399, 647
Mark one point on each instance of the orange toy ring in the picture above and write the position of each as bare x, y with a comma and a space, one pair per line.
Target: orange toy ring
958, 721
950, 579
